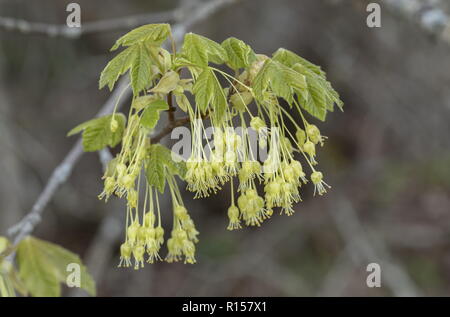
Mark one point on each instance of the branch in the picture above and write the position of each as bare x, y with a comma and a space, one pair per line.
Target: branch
63, 170
62, 30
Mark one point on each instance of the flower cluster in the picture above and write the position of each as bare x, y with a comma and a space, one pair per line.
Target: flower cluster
232, 153
264, 150
144, 232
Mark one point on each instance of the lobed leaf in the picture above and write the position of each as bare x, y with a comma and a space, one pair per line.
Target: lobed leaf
289, 59
159, 163
141, 73
43, 266
200, 50
97, 132
117, 67
240, 55
154, 34
209, 95
150, 116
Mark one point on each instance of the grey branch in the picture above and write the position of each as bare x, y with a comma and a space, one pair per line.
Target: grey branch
62, 172
62, 30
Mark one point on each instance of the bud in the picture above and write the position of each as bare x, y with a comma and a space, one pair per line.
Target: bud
257, 123
309, 148
114, 125
125, 250
165, 59
132, 232
181, 212
109, 185
300, 135
313, 133
167, 83
121, 169
241, 100
316, 177
149, 219
256, 66
138, 253
127, 181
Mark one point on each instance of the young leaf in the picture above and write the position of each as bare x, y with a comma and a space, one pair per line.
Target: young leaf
117, 66
97, 132
154, 34
209, 94
174, 167
167, 83
240, 55
200, 50
43, 266
150, 115
159, 163
283, 81
321, 97
141, 74
141, 102
182, 102
289, 59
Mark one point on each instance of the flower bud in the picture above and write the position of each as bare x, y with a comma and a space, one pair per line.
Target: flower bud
121, 169
313, 133
309, 148
241, 100
300, 135
114, 125
257, 123
316, 177
181, 212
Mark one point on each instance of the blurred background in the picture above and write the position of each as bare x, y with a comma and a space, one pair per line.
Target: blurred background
387, 156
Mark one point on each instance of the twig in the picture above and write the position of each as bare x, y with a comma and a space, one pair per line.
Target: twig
104, 156
62, 30
169, 127
172, 109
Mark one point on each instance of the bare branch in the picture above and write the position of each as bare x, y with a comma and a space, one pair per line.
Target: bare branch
62, 172
62, 30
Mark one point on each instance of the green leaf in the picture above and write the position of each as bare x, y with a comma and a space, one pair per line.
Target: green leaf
240, 55
141, 102
159, 163
43, 266
117, 67
141, 73
200, 50
97, 132
282, 81
167, 83
150, 115
209, 94
289, 59
154, 34
182, 102
321, 97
